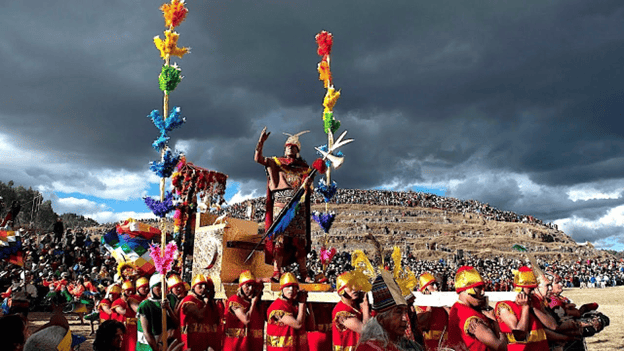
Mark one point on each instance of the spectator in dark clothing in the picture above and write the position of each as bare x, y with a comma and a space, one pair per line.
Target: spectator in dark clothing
58, 230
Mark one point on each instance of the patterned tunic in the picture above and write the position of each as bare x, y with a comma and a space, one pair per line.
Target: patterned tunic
239, 336
536, 339
281, 337
462, 322
344, 339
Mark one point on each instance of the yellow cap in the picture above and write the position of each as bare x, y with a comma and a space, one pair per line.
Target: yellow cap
525, 278
127, 285
467, 278
343, 280
174, 281
246, 277
142, 282
288, 279
114, 289
424, 280
198, 279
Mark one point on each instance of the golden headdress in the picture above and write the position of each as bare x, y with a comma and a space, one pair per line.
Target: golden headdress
246, 277
405, 278
525, 278
466, 279
288, 279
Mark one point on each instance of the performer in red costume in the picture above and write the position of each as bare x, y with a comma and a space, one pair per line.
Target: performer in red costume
142, 288
285, 175
244, 316
386, 330
469, 328
432, 321
200, 316
125, 311
522, 321
287, 319
349, 315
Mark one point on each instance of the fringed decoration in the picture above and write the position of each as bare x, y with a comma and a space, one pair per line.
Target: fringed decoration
169, 46
327, 255
157, 120
360, 281
324, 220
396, 259
169, 78
163, 263
320, 165
174, 120
165, 168
160, 208
324, 73
174, 13
329, 123
328, 191
324, 40
331, 97
160, 142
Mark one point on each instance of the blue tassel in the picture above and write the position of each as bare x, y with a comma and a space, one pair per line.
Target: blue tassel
161, 142
174, 120
328, 191
335, 153
164, 168
157, 120
324, 220
160, 209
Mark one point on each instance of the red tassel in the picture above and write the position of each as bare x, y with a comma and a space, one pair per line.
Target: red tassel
320, 165
324, 40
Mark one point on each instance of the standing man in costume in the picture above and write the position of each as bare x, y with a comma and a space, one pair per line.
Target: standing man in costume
150, 318
285, 175
432, 321
287, 319
522, 321
125, 308
469, 328
244, 316
349, 315
200, 317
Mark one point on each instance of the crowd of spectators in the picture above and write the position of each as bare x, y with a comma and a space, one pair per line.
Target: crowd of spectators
254, 208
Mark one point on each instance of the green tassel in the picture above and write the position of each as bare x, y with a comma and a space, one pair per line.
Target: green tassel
169, 78
329, 123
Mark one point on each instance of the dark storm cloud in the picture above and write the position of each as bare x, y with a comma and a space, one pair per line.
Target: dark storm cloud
432, 91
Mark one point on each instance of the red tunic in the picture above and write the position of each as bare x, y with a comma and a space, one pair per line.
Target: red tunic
344, 337
459, 337
239, 336
204, 333
435, 329
320, 334
281, 337
536, 340
130, 321
103, 315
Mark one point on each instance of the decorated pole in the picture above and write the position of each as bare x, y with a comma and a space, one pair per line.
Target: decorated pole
327, 187
174, 13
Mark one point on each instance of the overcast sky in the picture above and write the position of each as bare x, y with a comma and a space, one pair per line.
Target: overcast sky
514, 103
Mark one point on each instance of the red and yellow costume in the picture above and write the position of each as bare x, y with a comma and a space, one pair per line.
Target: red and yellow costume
463, 319
205, 332
536, 337
438, 321
281, 337
320, 335
103, 315
344, 339
239, 336
129, 320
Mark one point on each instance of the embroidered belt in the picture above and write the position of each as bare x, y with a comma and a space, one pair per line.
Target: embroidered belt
324, 328
131, 321
199, 328
344, 348
432, 335
285, 341
534, 336
243, 332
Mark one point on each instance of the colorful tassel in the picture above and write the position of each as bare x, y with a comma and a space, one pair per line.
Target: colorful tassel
324, 73
163, 263
328, 191
160, 142
331, 97
174, 120
324, 40
335, 153
165, 168
169, 46
320, 165
327, 255
169, 78
329, 123
160, 208
174, 13
324, 220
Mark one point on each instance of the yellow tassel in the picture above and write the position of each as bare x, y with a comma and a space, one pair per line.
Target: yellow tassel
170, 45
324, 73
360, 281
396, 258
361, 263
331, 97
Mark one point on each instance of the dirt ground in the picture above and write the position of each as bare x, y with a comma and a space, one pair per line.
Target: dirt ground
611, 301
